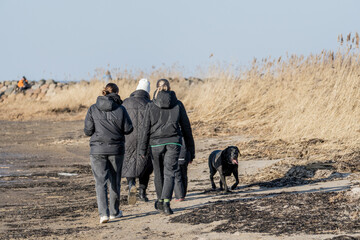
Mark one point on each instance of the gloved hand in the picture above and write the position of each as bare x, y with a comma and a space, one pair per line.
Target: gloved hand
191, 159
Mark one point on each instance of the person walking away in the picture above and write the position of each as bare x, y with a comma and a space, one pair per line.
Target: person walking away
181, 178
107, 122
135, 166
165, 123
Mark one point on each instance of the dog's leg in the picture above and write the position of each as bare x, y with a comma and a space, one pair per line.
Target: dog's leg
223, 181
236, 176
212, 172
220, 181
213, 186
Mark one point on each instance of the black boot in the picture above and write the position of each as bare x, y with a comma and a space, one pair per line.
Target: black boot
142, 195
159, 206
167, 209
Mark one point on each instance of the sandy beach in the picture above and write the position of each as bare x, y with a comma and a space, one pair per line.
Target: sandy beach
48, 193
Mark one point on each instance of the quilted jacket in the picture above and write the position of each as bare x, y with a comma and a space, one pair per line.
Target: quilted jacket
135, 105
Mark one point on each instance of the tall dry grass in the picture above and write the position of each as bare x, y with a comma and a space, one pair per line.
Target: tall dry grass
290, 97
314, 96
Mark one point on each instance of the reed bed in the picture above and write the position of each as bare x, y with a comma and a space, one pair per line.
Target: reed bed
316, 96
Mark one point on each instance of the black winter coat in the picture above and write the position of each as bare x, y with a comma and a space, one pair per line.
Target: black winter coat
166, 121
135, 105
107, 122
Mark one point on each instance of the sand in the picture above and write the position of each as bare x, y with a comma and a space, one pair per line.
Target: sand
47, 190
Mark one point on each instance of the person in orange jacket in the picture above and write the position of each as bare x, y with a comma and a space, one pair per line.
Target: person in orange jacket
23, 84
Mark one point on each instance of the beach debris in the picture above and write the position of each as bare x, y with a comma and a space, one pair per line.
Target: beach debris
67, 174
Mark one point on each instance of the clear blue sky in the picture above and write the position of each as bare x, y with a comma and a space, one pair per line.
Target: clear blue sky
69, 39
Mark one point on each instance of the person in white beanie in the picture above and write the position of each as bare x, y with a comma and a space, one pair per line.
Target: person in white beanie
144, 84
134, 166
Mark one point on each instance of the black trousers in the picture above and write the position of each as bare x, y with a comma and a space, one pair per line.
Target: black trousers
143, 178
165, 163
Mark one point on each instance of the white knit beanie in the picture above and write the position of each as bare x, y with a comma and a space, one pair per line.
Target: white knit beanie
144, 84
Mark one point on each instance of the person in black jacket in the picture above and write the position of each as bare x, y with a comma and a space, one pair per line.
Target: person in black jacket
134, 166
107, 122
165, 123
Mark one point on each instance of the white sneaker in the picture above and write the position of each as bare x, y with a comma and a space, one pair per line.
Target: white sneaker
119, 215
104, 219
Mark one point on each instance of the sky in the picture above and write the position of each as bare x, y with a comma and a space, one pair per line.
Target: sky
70, 39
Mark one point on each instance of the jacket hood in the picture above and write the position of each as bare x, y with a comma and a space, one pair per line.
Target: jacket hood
140, 93
109, 102
165, 99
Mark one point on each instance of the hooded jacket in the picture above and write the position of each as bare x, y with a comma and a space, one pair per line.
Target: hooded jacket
107, 122
166, 122
133, 165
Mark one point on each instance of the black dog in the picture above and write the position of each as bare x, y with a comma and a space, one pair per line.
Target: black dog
226, 162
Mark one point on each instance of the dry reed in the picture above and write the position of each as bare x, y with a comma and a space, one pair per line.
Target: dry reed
290, 97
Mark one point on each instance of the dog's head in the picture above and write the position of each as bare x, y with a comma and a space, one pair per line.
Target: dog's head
230, 155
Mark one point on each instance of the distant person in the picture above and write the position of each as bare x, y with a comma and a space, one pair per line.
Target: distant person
107, 122
107, 77
165, 123
135, 166
23, 84
181, 178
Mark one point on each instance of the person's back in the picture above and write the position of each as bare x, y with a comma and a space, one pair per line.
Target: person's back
167, 114
134, 166
166, 122
106, 117
107, 122
135, 105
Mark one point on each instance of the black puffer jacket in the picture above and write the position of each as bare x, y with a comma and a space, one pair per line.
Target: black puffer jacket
166, 121
107, 122
135, 105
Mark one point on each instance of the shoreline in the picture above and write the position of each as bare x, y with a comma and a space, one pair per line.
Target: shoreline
40, 203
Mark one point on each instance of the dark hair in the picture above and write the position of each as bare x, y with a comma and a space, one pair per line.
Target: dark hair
162, 85
110, 88
24, 77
